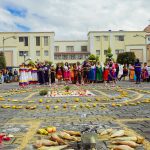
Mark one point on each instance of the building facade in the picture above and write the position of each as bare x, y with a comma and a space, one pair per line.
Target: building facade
71, 51
20, 46
41, 46
147, 30
118, 41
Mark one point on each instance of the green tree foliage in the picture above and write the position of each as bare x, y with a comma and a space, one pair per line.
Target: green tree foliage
31, 63
92, 57
109, 54
2, 61
50, 63
126, 58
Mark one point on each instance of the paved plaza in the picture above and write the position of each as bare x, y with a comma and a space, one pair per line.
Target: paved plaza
125, 106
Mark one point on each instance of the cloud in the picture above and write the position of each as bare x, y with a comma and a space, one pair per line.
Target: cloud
72, 19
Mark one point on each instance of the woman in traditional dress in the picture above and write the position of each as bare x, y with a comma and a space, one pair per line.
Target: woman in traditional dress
99, 72
145, 75
66, 72
34, 75
79, 73
41, 73
75, 73
22, 77
72, 73
137, 67
131, 73
92, 72
29, 74
46, 72
26, 77
105, 74
112, 73
59, 72
85, 71
52, 73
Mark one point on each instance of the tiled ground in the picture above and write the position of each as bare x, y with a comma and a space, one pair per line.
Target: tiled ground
126, 106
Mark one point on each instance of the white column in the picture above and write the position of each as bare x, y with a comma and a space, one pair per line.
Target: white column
92, 44
32, 49
51, 50
144, 54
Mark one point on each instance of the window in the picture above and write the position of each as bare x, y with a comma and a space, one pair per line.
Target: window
37, 41
97, 38
98, 52
21, 39
105, 38
117, 51
70, 48
25, 41
22, 53
119, 38
45, 40
105, 52
46, 53
148, 38
56, 48
58, 57
37, 53
83, 48
72, 56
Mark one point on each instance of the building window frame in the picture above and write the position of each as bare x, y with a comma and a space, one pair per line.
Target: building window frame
45, 40
97, 38
46, 53
118, 51
98, 52
38, 40
83, 48
105, 52
38, 53
119, 38
21, 53
69, 48
105, 38
56, 48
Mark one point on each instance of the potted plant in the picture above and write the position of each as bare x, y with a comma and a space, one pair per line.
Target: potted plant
67, 88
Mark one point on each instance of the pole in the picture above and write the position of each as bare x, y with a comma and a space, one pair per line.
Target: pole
3, 44
24, 58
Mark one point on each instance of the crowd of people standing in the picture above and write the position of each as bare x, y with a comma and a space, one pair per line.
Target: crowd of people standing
76, 73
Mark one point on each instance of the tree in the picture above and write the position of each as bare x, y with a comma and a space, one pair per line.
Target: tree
109, 54
126, 58
31, 63
2, 61
92, 57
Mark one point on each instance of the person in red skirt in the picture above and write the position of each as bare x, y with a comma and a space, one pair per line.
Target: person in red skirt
105, 75
59, 72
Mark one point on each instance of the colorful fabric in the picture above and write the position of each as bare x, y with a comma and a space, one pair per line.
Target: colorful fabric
99, 73
105, 74
131, 74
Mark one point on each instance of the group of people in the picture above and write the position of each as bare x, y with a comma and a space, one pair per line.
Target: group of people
87, 72
7, 75
136, 72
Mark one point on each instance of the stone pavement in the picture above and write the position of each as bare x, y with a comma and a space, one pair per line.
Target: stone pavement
125, 106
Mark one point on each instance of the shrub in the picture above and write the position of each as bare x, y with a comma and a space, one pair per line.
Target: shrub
2, 61
43, 92
67, 88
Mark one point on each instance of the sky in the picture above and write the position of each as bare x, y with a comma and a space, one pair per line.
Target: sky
73, 19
